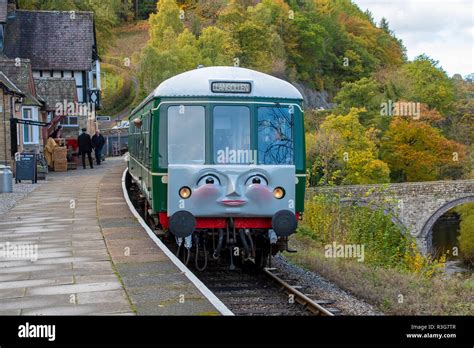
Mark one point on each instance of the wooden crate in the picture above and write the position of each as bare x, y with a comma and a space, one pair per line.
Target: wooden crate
60, 167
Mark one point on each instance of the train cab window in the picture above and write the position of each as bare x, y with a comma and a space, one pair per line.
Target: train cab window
186, 134
275, 135
231, 135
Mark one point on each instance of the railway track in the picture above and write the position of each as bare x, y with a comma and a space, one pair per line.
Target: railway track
294, 292
262, 293
249, 292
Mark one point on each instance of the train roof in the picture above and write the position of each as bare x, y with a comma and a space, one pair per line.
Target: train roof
198, 83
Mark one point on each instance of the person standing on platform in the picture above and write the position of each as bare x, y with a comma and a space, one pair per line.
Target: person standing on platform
57, 133
98, 142
85, 147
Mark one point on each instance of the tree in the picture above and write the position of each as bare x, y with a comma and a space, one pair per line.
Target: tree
254, 33
459, 123
216, 47
415, 151
430, 84
384, 26
166, 18
363, 94
346, 152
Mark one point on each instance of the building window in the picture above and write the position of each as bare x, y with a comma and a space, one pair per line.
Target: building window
79, 86
1, 37
69, 121
30, 133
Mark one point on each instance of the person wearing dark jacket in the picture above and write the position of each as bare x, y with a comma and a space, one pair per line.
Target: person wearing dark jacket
85, 147
98, 142
57, 133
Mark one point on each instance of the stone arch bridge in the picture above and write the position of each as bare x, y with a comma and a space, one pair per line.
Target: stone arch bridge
415, 206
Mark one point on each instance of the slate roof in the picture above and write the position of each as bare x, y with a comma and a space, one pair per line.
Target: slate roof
3, 10
9, 85
52, 40
55, 90
20, 74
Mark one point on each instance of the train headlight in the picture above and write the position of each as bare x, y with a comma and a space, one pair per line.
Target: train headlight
279, 193
185, 192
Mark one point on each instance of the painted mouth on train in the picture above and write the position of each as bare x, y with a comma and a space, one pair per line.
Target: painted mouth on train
233, 202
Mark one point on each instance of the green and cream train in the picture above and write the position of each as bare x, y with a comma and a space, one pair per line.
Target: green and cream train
219, 155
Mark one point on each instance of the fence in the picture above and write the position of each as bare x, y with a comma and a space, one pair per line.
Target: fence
114, 143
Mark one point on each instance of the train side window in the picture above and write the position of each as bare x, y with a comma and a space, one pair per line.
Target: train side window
275, 135
186, 134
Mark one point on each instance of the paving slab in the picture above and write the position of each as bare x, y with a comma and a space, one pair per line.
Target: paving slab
72, 256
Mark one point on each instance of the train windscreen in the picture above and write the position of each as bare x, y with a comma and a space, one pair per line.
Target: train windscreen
275, 135
231, 135
186, 135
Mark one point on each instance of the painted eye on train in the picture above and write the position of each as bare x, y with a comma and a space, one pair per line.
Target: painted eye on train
209, 179
256, 179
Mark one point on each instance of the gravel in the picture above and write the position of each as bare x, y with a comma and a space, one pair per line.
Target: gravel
323, 289
20, 191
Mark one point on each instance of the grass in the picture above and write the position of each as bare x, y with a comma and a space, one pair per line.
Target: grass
392, 292
117, 89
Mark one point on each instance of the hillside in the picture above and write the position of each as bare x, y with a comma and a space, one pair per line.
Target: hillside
119, 83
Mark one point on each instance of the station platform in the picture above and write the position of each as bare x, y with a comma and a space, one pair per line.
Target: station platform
86, 253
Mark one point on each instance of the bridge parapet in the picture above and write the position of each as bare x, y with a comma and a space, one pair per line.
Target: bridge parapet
399, 189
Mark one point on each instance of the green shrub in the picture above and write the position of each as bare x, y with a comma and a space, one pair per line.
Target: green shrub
326, 220
466, 235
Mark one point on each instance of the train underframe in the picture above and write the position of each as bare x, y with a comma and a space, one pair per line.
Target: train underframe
234, 246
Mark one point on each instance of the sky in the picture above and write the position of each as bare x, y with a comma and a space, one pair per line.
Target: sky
442, 29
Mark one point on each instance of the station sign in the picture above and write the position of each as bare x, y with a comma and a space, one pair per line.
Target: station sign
25, 167
231, 87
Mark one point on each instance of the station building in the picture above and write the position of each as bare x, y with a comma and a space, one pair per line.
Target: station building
47, 59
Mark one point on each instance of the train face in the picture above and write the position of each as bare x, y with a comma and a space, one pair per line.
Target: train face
233, 191
219, 155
